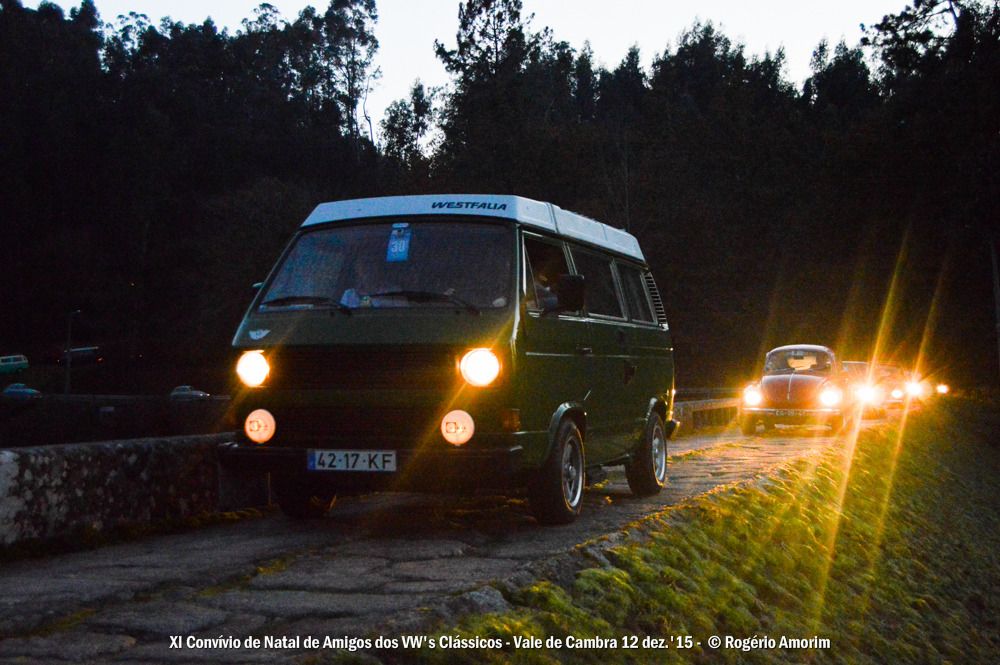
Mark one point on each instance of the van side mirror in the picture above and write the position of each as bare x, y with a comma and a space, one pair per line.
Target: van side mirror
570, 291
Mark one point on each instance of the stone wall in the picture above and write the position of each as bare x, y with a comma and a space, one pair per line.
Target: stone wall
57, 492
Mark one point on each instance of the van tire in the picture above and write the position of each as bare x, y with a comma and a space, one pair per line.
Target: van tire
299, 501
647, 471
556, 491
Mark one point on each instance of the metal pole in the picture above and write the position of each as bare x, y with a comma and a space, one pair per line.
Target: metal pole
996, 291
69, 350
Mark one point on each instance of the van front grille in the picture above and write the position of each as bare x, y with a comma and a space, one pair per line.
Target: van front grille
361, 367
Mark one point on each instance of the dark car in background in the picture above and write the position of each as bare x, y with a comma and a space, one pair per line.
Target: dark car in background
19, 392
802, 384
188, 394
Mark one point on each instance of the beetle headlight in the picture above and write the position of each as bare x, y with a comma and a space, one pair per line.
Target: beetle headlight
831, 396
752, 396
479, 367
252, 368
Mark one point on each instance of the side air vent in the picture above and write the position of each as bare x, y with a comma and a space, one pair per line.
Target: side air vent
654, 293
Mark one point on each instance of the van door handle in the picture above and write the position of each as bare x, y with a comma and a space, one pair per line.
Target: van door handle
585, 350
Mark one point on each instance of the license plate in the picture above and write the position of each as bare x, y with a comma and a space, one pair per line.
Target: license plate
790, 412
351, 460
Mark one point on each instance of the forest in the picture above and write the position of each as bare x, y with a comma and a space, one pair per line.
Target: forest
151, 172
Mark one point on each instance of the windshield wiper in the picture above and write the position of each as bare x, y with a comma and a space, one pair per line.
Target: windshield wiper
428, 296
306, 300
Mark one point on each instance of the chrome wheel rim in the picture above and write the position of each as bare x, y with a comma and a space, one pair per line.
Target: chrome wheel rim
572, 472
658, 446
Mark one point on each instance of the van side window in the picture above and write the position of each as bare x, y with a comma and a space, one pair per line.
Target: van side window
599, 284
635, 294
545, 261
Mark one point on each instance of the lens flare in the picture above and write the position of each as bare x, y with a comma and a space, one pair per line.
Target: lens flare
752, 396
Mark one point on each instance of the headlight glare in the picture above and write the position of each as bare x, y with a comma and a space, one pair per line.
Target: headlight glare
942, 389
479, 367
867, 394
752, 396
831, 396
252, 368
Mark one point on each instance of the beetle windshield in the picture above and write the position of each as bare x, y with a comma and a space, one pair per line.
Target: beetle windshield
798, 360
396, 264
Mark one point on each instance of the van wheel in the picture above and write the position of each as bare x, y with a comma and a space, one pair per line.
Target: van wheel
556, 492
748, 425
647, 472
299, 501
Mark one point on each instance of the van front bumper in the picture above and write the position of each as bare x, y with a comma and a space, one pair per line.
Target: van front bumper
440, 469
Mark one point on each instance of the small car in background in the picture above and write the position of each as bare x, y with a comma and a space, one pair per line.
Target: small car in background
19, 392
902, 386
802, 384
13, 364
869, 392
187, 393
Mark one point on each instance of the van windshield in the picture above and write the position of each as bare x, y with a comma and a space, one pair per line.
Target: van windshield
396, 264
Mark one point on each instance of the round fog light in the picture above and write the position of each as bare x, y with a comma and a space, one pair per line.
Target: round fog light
259, 426
457, 427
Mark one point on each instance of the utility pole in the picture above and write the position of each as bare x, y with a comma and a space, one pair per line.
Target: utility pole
996, 291
69, 349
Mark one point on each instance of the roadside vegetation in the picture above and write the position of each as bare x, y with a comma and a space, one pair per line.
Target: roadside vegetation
889, 548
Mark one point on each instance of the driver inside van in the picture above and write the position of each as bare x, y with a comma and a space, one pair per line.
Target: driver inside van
369, 280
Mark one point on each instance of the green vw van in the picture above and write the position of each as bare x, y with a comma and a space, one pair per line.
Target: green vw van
454, 342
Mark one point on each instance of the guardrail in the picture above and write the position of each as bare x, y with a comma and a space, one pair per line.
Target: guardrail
697, 414
55, 419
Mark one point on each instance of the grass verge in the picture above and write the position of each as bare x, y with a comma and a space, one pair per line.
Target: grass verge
888, 546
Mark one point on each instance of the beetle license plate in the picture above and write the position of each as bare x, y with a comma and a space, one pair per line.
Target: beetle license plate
791, 412
351, 460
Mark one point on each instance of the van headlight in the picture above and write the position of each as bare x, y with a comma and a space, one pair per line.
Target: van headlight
252, 368
479, 367
752, 396
831, 396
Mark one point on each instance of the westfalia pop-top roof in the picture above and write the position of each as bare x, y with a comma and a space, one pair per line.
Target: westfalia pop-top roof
526, 211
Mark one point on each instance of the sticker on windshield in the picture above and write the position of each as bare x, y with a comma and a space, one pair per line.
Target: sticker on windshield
399, 244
